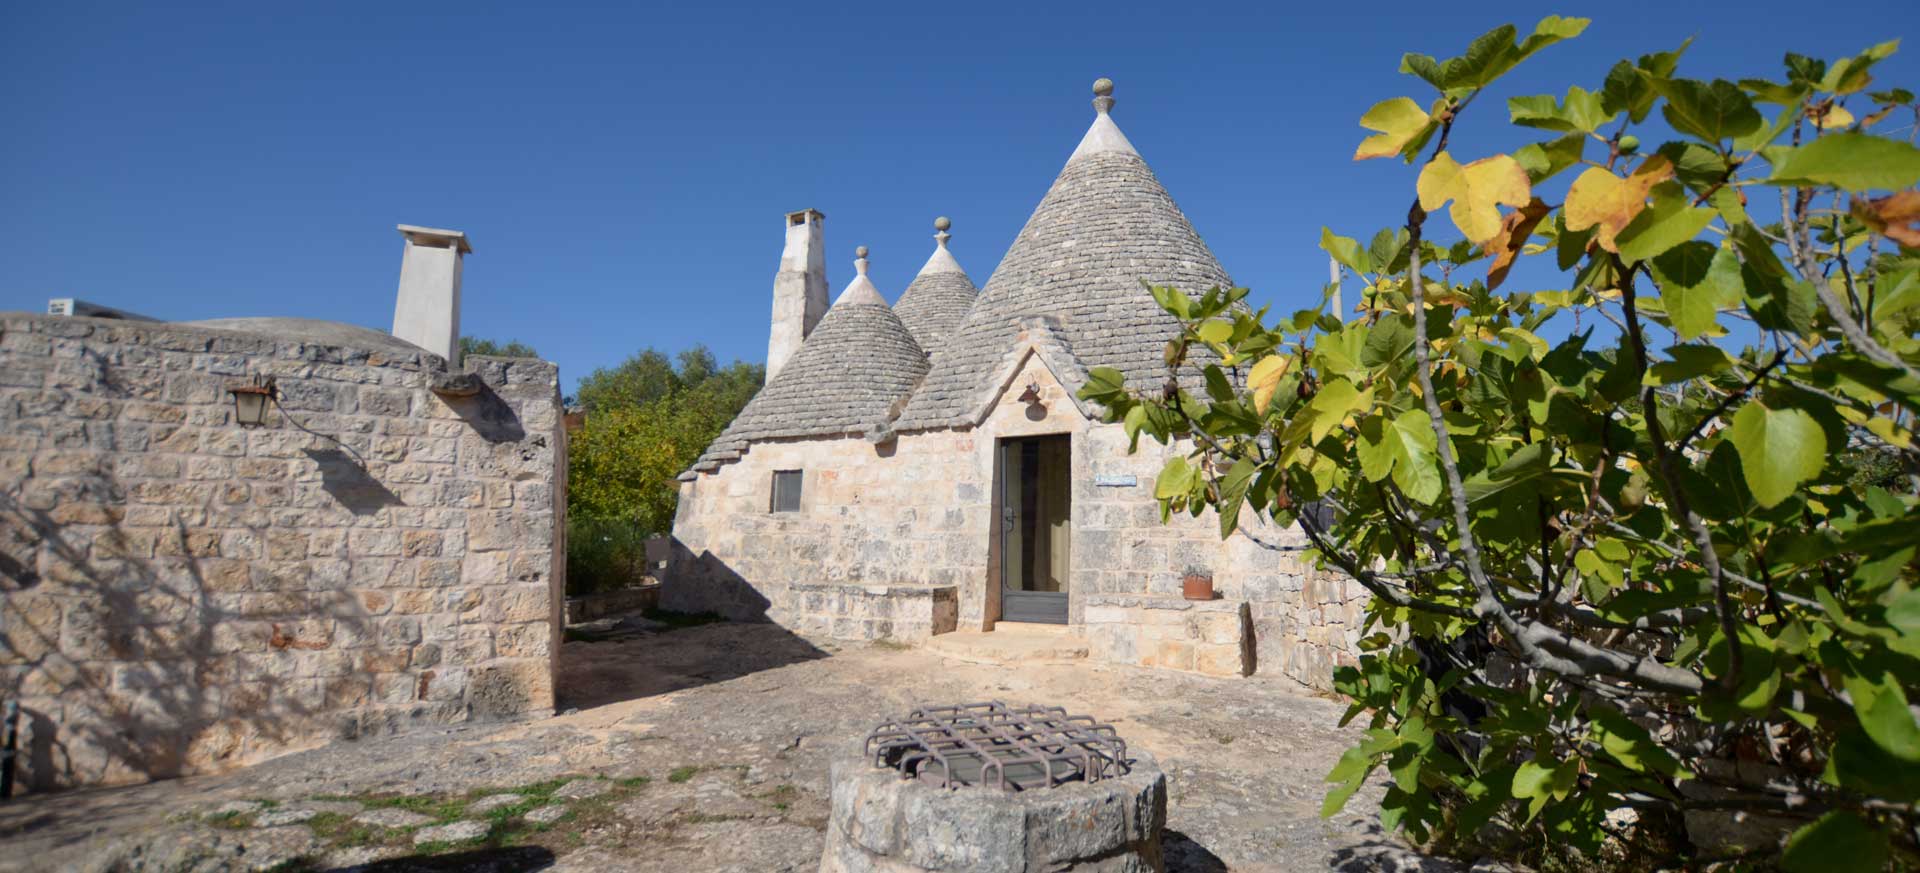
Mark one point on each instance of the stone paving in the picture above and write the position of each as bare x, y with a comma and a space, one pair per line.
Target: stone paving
706, 749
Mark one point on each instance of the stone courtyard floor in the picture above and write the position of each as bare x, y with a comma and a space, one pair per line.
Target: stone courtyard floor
704, 749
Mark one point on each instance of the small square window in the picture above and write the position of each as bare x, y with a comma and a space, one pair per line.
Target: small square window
786, 490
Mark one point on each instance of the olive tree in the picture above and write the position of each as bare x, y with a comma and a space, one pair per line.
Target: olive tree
1615, 544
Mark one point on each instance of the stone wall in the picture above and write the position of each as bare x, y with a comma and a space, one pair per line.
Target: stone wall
1213, 637
588, 607
920, 510
874, 612
183, 595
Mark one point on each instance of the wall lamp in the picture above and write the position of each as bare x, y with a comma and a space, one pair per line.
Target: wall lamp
250, 400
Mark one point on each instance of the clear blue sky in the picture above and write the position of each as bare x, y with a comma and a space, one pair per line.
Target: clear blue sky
623, 171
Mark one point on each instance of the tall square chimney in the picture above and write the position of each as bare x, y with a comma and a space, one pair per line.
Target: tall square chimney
427, 310
799, 289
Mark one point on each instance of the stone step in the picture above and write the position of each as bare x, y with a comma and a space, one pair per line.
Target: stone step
1012, 643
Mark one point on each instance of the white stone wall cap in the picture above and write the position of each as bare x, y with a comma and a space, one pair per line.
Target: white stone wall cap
437, 237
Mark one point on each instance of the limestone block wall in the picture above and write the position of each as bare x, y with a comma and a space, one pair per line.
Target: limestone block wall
183, 595
922, 510
914, 512
1198, 636
874, 612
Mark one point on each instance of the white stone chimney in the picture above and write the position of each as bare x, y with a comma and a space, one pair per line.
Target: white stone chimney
427, 311
799, 289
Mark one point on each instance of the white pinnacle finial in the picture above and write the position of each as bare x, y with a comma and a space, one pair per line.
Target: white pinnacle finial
942, 260
1104, 135
861, 290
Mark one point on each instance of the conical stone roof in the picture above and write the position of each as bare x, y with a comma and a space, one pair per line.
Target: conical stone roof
938, 299
846, 379
1105, 226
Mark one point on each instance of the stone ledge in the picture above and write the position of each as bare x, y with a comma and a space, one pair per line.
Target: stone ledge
1161, 601
879, 589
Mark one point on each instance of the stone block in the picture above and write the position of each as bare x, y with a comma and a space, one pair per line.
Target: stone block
1170, 653
1221, 660
439, 573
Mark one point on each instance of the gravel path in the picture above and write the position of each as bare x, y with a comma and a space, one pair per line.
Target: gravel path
705, 749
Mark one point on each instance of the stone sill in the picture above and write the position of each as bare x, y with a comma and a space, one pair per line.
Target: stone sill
1162, 601
877, 589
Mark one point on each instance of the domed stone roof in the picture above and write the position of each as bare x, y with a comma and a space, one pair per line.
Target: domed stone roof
314, 330
1105, 227
847, 379
939, 297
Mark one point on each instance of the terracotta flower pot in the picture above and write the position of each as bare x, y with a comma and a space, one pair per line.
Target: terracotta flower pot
1197, 587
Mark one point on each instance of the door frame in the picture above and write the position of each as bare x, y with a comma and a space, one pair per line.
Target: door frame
1043, 607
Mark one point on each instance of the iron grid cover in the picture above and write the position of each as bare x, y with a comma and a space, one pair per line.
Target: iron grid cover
991, 743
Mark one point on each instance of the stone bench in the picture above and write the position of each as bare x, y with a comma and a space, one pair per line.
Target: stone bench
851, 611
1213, 637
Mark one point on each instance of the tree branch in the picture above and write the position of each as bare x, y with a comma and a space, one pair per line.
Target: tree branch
1670, 474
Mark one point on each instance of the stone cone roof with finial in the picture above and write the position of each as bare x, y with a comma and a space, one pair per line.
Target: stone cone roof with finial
848, 378
1104, 227
939, 298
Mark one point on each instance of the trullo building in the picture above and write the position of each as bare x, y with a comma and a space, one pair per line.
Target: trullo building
925, 472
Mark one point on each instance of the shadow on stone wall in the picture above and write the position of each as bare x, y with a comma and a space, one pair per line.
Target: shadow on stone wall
144, 655
489, 415
347, 480
599, 673
704, 583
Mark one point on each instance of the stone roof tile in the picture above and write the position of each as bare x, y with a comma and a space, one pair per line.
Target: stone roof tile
848, 377
939, 297
1105, 227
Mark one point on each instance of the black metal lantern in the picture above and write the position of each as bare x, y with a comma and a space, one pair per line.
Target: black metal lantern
250, 400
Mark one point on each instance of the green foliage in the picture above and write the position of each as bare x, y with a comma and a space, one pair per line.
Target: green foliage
604, 554
1654, 518
650, 375
646, 423
473, 345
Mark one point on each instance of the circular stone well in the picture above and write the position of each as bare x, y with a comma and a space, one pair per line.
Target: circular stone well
884, 823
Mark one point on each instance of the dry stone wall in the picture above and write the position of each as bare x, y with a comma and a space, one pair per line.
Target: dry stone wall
184, 595
874, 612
921, 510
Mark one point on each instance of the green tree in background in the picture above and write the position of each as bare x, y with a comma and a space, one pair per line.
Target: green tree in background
647, 420
651, 375
473, 345
1620, 554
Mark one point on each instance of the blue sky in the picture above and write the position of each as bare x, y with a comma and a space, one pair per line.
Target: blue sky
623, 171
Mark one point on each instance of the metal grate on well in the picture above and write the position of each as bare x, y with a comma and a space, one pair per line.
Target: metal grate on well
993, 744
